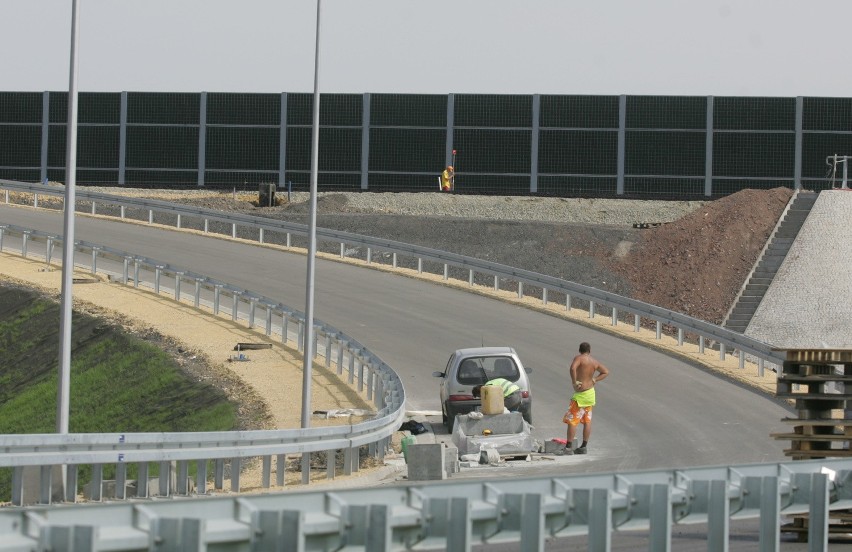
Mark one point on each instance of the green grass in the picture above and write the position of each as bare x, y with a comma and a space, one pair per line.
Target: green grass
119, 383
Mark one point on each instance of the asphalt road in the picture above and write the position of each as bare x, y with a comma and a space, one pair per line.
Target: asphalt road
653, 412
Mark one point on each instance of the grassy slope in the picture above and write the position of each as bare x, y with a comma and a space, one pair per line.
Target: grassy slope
119, 383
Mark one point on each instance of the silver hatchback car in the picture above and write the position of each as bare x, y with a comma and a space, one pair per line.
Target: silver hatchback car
468, 368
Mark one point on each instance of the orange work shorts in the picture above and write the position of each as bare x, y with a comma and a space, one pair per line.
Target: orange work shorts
577, 414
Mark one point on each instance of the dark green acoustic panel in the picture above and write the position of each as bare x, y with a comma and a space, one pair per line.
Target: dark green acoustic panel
340, 149
155, 108
161, 179
578, 152
242, 148
723, 187
407, 149
735, 113
162, 147
492, 151
241, 181
491, 110
24, 175
579, 112
649, 153
335, 109
408, 110
92, 107
97, 147
576, 186
326, 181
243, 109
753, 154
492, 184
402, 182
21, 146
663, 187
96, 178
827, 114
816, 147
667, 112
20, 107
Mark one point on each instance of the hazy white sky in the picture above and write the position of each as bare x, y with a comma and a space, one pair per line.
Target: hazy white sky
734, 47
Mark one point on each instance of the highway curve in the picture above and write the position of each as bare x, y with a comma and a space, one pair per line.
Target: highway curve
654, 411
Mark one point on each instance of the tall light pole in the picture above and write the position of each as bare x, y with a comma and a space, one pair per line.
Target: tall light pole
64, 391
308, 346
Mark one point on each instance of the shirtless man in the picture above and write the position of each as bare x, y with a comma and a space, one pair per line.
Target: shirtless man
585, 373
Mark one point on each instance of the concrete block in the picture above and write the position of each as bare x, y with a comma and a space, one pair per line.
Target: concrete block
451, 459
426, 462
552, 447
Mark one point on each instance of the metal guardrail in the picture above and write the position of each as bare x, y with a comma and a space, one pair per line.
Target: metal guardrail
354, 362
707, 333
459, 515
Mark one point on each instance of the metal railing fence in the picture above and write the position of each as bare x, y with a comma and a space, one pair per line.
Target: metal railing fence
354, 363
459, 515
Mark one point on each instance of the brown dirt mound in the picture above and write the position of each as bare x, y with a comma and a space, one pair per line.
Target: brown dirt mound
697, 264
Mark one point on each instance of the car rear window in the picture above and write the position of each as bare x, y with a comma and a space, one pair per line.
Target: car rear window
478, 370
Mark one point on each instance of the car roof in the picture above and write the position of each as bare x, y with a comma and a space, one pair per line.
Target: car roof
482, 351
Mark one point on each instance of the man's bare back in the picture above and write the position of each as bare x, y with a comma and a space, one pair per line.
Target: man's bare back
584, 368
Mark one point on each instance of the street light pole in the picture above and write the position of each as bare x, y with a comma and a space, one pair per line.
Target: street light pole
308, 347
64, 391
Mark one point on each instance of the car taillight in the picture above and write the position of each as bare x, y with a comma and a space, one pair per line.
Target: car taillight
525, 394
454, 398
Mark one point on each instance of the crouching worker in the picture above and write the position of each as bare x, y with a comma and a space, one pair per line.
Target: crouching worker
511, 393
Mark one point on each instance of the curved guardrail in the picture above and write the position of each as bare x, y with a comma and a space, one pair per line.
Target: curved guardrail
353, 361
707, 334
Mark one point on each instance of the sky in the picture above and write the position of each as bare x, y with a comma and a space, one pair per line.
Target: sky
655, 47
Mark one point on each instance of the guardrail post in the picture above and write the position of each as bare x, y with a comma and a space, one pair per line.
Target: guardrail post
201, 477
178, 221
178, 276
284, 323
369, 255
280, 469
701, 344
157, 271
721, 351
327, 351
347, 460
614, 316
2, 228
142, 480
543, 296
182, 483
95, 259
659, 330
234, 230
394, 260
520, 290
340, 350
206, 226
25, 238
360, 375
219, 474
260, 235
120, 481
446, 272
680, 337
48, 252
330, 460
17, 484
93, 207
342, 249
35, 201
288, 240
7, 197
370, 372
268, 308
150, 216
136, 273
300, 346
217, 295
496, 282
122, 211
352, 361
636, 321
419, 265
235, 474
252, 308
197, 297
567, 302
235, 304
592, 310
97, 482
760, 367
266, 477
742, 360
